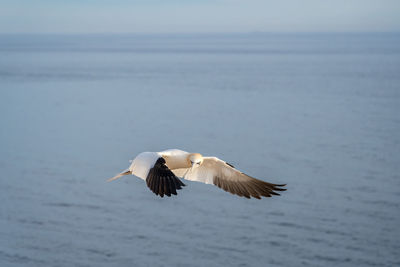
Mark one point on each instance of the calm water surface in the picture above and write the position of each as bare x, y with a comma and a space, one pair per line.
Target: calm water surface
319, 112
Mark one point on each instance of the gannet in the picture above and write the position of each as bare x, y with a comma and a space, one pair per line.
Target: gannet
162, 170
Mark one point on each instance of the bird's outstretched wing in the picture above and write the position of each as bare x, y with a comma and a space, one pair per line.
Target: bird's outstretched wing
161, 180
225, 176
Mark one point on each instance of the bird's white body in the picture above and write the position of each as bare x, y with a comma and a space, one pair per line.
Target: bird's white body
143, 162
162, 170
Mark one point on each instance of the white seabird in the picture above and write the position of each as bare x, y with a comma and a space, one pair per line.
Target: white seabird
162, 170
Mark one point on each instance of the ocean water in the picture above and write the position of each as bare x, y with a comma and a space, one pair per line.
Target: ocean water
319, 112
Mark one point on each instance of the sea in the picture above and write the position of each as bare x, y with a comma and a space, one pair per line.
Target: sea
319, 112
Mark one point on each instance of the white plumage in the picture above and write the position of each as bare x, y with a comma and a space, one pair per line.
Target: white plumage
162, 170
142, 164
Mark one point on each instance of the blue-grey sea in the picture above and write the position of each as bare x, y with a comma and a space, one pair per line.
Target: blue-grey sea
320, 112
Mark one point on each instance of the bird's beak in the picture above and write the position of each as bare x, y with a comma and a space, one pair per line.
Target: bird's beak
188, 171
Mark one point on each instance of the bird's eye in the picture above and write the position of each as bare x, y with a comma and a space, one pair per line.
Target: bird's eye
198, 163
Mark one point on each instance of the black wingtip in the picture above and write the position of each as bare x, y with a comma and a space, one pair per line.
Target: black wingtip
277, 187
162, 181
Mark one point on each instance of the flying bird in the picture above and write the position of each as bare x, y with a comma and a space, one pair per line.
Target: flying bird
162, 170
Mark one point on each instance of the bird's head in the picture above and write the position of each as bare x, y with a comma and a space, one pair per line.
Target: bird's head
195, 159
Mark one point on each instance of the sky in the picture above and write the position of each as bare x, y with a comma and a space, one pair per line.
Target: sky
193, 16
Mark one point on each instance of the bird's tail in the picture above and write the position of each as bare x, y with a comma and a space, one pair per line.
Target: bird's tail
126, 172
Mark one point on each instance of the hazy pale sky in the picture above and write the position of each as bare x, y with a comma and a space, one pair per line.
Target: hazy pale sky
163, 16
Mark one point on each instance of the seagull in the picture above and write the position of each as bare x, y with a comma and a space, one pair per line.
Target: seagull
162, 170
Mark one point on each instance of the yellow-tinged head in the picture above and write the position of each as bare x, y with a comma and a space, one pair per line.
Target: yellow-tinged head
195, 159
